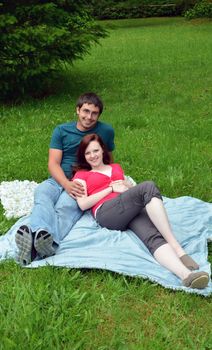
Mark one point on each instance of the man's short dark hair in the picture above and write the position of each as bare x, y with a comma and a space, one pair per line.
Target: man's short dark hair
90, 98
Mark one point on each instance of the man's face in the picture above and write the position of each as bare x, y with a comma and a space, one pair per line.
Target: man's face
88, 115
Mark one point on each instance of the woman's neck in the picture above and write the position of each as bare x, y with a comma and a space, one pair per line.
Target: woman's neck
104, 169
100, 167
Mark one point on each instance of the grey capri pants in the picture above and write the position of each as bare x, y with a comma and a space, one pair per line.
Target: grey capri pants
127, 210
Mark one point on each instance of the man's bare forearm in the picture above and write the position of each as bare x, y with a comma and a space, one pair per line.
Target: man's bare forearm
58, 174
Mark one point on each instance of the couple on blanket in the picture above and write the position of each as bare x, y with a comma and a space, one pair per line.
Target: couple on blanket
83, 176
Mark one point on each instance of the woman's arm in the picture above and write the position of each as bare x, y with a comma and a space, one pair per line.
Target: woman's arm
87, 202
128, 183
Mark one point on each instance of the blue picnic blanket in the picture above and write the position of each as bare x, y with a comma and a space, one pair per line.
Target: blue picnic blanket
89, 246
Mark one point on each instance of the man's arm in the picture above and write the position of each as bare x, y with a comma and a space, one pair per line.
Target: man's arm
72, 188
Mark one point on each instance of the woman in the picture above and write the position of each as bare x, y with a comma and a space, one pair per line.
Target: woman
117, 205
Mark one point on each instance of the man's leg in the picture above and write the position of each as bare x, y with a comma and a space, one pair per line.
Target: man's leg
67, 214
43, 213
43, 223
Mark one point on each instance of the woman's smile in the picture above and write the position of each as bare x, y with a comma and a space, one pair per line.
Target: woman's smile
94, 154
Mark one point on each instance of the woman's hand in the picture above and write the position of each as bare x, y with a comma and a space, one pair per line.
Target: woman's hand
119, 186
128, 183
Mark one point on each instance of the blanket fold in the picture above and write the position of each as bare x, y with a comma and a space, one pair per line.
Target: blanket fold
89, 246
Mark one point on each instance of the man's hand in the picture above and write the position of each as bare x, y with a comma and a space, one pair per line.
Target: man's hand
75, 189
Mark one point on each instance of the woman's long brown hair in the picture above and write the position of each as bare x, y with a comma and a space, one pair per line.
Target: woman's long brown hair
81, 161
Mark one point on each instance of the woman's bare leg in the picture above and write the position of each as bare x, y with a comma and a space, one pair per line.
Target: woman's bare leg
167, 257
156, 211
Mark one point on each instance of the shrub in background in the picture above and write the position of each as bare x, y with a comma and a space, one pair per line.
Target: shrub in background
116, 9
184, 5
37, 37
201, 9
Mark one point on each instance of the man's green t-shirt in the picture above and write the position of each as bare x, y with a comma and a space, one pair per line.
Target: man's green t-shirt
66, 137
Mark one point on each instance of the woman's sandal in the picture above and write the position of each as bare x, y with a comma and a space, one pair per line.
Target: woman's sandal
189, 262
197, 280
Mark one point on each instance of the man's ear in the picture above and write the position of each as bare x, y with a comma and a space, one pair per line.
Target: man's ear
77, 110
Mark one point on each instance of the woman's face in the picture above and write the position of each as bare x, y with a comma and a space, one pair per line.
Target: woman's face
94, 154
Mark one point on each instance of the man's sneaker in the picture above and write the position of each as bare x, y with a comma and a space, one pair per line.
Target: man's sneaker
24, 241
44, 243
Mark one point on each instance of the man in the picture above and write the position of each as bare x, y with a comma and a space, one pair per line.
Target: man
55, 209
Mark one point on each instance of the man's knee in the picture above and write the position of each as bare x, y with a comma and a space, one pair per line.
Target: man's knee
46, 190
40, 191
65, 200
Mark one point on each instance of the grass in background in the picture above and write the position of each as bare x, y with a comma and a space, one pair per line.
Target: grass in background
155, 79
154, 76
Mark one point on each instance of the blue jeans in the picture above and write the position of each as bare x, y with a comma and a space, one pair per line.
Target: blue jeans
54, 210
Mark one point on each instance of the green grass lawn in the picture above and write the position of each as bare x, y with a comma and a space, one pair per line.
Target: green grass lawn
154, 76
